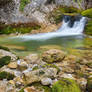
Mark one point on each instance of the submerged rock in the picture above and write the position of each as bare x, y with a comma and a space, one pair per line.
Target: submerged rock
46, 81
65, 85
7, 53
53, 55
37, 75
32, 59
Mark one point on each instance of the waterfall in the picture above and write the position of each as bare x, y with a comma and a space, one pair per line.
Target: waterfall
70, 26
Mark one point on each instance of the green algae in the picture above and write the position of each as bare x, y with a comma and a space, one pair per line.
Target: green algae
5, 61
65, 85
4, 48
6, 75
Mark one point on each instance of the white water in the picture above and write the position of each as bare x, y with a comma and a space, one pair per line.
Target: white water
65, 30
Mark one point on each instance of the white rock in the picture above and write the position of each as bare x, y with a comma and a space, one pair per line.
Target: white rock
46, 81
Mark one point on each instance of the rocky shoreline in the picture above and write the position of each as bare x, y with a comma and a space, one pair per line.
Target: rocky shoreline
52, 71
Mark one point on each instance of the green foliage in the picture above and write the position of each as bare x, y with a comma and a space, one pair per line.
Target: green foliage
22, 30
6, 75
87, 13
88, 28
89, 84
4, 48
23, 3
4, 60
65, 85
22, 90
58, 13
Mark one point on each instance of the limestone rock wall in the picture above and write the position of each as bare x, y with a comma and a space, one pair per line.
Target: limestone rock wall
36, 10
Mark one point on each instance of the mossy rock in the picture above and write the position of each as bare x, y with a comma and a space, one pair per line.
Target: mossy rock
89, 85
58, 13
22, 90
88, 28
65, 85
4, 48
6, 75
87, 13
51, 65
38, 86
5, 61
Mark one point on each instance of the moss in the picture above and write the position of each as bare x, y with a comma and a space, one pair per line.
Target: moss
88, 28
4, 48
5, 61
41, 87
22, 90
87, 13
5, 75
65, 85
23, 3
8, 29
89, 85
51, 65
35, 68
58, 13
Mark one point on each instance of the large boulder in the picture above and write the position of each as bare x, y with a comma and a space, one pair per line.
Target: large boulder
53, 55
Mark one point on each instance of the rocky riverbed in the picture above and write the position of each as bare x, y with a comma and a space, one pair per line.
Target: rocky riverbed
51, 71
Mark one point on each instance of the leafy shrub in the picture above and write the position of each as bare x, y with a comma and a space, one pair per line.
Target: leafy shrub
18, 29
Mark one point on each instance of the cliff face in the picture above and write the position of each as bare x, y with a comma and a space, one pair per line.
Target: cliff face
16, 11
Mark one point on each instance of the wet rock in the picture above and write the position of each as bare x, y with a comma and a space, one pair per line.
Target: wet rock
32, 59
6, 75
46, 81
30, 89
6, 53
53, 55
67, 76
37, 75
6, 87
22, 65
5, 61
12, 65
71, 59
12, 71
89, 85
82, 82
